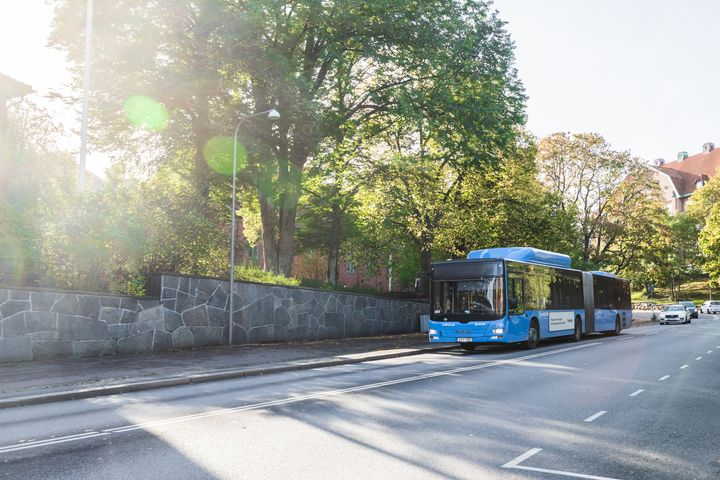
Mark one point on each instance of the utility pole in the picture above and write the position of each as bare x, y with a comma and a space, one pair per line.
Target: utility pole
86, 87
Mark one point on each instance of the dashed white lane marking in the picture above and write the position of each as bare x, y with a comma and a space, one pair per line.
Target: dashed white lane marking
651, 333
283, 401
684, 366
664, 377
698, 358
597, 415
625, 338
515, 464
709, 351
636, 393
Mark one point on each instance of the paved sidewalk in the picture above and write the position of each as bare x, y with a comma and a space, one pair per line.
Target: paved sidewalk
45, 381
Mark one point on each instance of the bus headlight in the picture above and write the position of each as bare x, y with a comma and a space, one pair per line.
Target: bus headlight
432, 331
498, 331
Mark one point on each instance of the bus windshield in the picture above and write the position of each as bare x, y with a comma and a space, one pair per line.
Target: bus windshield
483, 298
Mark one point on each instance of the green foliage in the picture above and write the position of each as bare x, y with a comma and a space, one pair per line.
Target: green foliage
252, 274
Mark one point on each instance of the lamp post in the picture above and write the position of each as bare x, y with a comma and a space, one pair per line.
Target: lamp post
86, 87
272, 114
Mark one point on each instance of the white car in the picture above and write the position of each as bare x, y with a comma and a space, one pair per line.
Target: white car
711, 306
674, 314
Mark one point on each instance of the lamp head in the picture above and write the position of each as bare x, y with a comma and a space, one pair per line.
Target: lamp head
273, 114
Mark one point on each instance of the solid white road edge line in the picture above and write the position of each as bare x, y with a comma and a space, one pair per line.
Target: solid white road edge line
597, 415
515, 464
284, 401
663, 378
637, 392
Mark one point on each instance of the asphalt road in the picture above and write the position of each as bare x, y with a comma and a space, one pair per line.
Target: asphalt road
644, 405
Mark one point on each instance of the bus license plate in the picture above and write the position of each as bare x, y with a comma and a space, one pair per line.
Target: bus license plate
464, 339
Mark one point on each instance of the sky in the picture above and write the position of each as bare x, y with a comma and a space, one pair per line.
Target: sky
643, 73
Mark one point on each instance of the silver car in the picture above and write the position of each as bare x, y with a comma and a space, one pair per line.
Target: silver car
674, 314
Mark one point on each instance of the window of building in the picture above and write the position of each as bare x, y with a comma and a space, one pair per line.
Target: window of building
351, 267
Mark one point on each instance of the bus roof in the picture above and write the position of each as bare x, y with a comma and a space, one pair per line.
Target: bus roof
604, 274
523, 254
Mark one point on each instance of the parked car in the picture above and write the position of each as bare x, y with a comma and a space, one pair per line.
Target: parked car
690, 307
674, 314
710, 306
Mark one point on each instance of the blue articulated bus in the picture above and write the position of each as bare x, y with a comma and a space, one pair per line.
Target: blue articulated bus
522, 295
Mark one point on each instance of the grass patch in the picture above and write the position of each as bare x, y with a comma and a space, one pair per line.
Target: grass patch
250, 274
695, 291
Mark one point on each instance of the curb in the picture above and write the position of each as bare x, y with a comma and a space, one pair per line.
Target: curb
206, 377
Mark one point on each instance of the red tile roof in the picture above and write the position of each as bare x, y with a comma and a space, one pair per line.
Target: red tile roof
684, 173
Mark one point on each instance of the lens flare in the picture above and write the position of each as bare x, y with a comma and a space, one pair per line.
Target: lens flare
218, 153
146, 113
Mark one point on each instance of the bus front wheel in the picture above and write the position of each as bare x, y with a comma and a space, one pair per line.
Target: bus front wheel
533, 335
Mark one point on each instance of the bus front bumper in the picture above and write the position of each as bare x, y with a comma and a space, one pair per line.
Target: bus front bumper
442, 336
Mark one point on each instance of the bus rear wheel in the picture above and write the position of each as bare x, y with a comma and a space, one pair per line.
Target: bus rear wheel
577, 333
468, 346
533, 335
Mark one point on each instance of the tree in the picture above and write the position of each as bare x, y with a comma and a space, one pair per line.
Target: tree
592, 179
206, 61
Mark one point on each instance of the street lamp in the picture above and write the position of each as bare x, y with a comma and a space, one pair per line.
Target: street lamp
271, 114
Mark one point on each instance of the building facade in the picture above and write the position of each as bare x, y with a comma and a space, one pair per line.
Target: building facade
678, 180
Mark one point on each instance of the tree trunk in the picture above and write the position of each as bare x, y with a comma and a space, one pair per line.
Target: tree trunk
269, 234
332, 267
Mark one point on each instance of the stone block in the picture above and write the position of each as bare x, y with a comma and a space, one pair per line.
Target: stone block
129, 316
14, 325
183, 285
49, 349
196, 317
110, 302
184, 302
282, 317
162, 341
169, 281
73, 327
217, 317
201, 298
262, 334
42, 301
122, 330
193, 285
66, 304
127, 303
139, 343
47, 335
218, 299
240, 335
208, 285
151, 319
301, 296
40, 321
19, 295
15, 349
332, 305
173, 320
148, 303
110, 315
11, 307
263, 312
168, 293
207, 336
183, 338
169, 304
94, 348
307, 307
360, 302
334, 320
89, 306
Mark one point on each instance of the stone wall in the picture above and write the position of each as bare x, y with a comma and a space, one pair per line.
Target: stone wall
266, 313
190, 312
40, 324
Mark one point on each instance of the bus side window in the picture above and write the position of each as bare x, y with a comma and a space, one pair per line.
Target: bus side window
516, 303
